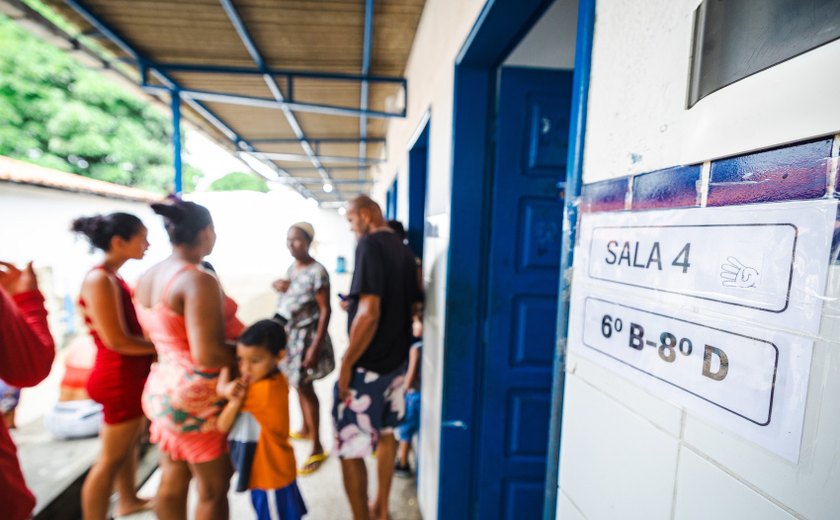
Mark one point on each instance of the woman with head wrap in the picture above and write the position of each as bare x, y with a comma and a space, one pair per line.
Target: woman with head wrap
304, 303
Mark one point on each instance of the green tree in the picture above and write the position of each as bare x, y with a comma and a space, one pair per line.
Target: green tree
58, 114
237, 181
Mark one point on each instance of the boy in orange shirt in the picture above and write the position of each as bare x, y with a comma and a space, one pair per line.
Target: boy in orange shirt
257, 417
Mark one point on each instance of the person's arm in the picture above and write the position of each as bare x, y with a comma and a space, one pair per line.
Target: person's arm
368, 286
362, 332
413, 366
234, 392
104, 308
322, 298
26, 347
204, 316
228, 416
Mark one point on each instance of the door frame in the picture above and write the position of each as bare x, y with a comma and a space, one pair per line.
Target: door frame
416, 236
500, 26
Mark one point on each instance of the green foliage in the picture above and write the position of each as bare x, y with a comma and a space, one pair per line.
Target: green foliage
58, 114
237, 181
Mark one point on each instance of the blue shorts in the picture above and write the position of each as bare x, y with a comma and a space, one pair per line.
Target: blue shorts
411, 422
278, 504
377, 406
9, 397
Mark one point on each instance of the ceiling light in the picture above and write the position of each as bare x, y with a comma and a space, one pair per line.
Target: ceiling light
328, 187
342, 211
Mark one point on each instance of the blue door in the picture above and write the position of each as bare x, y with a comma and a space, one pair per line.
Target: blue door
519, 333
418, 166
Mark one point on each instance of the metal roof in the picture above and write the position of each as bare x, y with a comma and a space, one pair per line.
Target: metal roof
305, 86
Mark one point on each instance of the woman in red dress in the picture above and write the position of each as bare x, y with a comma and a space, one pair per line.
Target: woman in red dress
123, 358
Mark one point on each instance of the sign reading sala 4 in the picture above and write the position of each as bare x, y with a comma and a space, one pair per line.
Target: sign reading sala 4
714, 309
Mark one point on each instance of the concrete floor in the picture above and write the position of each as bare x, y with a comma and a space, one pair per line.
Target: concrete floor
323, 492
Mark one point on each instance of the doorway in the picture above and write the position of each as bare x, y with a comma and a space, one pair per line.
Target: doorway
418, 174
511, 139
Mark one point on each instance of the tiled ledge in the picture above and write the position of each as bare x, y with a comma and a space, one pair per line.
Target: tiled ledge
801, 171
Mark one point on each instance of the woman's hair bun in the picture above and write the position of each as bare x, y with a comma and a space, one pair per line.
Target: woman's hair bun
88, 225
169, 211
184, 220
100, 229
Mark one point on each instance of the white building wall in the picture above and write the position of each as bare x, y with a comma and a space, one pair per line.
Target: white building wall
250, 251
625, 452
36, 226
443, 28
637, 119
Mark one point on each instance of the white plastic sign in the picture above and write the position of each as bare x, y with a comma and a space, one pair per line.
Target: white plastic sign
714, 309
734, 269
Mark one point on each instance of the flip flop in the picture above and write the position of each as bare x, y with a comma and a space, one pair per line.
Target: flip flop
296, 436
313, 463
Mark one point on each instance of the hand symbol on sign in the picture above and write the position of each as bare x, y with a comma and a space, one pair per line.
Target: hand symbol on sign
735, 274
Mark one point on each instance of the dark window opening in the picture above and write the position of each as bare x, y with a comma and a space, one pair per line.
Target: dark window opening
734, 39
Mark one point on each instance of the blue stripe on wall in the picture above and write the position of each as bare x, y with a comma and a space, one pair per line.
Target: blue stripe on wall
670, 188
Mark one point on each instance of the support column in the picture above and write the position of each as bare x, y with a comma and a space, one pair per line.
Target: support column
175, 99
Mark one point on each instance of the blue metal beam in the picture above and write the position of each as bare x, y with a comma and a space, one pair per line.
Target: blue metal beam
363, 101
245, 36
171, 84
284, 73
337, 182
331, 168
319, 140
274, 103
280, 156
176, 141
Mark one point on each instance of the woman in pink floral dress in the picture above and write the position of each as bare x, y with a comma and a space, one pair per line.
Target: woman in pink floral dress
184, 315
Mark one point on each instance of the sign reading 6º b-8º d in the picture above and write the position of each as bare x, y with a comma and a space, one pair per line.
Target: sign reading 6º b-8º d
714, 308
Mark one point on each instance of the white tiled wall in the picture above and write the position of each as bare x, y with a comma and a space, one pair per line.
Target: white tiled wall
625, 452
629, 454
566, 509
704, 493
615, 463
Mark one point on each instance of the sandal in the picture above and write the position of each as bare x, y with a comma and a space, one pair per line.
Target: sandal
297, 436
313, 463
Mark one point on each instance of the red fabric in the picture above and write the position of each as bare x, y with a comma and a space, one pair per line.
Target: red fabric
233, 327
79, 357
116, 381
26, 355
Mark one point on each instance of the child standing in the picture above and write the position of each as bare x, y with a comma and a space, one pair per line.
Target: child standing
410, 425
258, 404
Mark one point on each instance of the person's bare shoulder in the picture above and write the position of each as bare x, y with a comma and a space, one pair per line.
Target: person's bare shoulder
96, 280
198, 281
96, 277
144, 287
